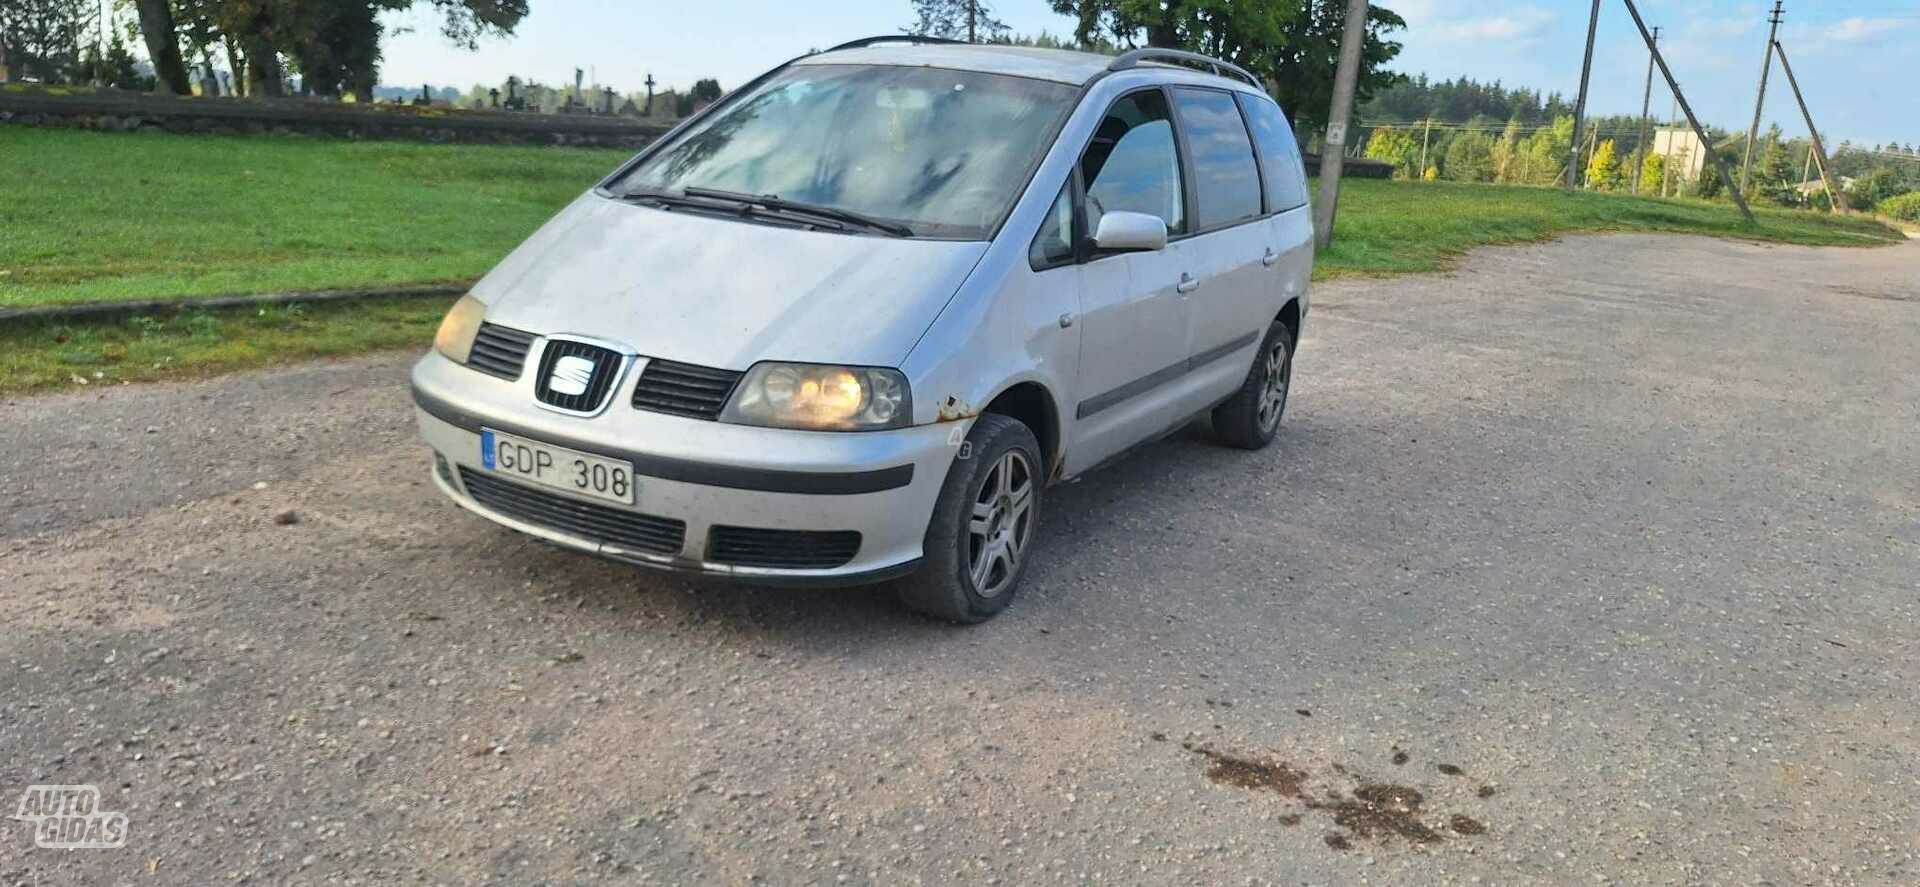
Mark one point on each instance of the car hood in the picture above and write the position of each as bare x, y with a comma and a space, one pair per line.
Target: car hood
724, 293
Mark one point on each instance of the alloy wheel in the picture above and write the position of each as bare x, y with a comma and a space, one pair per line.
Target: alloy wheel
1001, 524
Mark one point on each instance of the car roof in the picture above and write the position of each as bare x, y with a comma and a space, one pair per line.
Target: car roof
1060, 65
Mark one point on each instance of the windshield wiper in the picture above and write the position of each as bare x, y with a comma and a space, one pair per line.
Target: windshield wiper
780, 204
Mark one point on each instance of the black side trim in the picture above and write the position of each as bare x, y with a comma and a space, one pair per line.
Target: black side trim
1212, 354
1159, 377
766, 480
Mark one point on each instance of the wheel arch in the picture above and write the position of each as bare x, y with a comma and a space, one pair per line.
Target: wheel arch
1033, 405
1290, 315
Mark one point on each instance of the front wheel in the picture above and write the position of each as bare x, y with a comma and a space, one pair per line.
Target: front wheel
983, 526
1250, 417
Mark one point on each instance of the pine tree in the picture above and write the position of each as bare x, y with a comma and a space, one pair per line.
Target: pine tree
1471, 158
1777, 178
1652, 171
1603, 171
1506, 153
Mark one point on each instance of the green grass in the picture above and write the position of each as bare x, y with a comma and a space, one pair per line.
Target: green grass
88, 216
1389, 227
45, 355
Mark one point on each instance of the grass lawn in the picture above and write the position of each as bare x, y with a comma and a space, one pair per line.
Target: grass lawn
1389, 227
88, 217
45, 355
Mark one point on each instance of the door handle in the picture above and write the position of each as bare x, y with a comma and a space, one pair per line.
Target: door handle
1187, 283
1270, 258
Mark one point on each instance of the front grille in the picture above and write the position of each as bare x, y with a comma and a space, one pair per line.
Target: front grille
683, 389
782, 549
500, 351
602, 371
610, 526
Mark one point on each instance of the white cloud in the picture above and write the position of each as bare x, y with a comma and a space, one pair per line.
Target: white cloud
1846, 35
1856, 29
1456, 22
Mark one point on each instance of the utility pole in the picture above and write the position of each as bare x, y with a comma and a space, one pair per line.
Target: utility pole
1719, 166
1580, 106
1646, 108
1760, 101
1333, 153
1819, 151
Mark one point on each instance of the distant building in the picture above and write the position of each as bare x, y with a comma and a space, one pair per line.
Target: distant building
1685, 153
1811, 187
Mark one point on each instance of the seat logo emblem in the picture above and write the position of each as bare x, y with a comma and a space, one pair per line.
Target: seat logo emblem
571, 376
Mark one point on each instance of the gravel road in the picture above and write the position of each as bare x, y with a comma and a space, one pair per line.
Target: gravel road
1592, 562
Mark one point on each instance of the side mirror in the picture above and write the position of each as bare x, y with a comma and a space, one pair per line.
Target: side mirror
1130, 232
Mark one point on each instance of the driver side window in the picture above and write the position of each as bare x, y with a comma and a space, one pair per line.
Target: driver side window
1132, 164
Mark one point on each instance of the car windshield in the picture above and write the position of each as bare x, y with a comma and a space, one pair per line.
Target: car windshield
942, 152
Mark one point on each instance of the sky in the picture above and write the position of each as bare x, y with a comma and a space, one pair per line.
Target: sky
1857, 60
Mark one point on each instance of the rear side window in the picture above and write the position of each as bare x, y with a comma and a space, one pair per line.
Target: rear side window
1226, 178
1279, 154
1132, 164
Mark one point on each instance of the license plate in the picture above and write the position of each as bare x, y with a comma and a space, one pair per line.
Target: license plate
557, 467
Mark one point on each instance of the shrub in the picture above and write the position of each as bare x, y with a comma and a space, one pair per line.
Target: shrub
1905, 207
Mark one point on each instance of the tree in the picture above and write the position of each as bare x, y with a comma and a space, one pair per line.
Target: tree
1506, 153
1875, 187
163, 47
1396, 147
1777, 180
116, 67
969, 20
1543, 154
1294, 45
706, 89
1470, 158
1046, 40
1603, 171
333, 44
41, 38
1653, 171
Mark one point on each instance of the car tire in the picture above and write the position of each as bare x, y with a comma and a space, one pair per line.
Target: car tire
1250, 418
989, 509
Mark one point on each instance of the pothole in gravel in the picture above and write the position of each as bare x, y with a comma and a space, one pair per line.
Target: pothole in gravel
1362, 810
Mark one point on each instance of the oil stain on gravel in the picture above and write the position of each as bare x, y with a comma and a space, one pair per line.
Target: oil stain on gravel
1370, 811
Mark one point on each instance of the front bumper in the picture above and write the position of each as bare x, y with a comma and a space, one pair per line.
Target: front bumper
881, 484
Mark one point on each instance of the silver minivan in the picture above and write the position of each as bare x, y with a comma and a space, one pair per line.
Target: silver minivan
850, 322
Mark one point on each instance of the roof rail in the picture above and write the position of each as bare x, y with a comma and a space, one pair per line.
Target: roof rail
893, 38
1133, 58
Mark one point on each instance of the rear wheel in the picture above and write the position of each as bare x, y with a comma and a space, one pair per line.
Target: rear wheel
1250, 418
983, 526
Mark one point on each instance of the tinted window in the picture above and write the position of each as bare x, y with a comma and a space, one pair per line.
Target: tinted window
1054, 244
1225, 176
1279, 153
1132, 165
944, 152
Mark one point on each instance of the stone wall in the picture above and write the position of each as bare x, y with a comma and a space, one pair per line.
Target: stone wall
117, 110
1353, 168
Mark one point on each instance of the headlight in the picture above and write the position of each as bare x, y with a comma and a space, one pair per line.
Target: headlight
455, 338
820, 398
